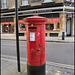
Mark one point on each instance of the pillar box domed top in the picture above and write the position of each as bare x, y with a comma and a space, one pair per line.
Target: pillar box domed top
35, 20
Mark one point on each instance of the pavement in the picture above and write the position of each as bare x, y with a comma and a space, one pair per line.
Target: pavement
48, 39
9, 67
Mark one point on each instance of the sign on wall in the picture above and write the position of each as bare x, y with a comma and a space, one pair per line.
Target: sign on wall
53, 19
32, 36
20, 21
7, 23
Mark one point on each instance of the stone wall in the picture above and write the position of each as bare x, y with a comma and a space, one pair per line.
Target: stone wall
11, 3
58, 1
62, 24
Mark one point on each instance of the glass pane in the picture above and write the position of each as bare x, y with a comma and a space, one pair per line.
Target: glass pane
4, 6
72, 0
48, 15
4, 1
47, 0
55, 15
24, 2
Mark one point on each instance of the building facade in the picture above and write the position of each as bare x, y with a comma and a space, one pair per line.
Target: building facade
60, 14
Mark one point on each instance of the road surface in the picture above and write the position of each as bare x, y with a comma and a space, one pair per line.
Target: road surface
55, 52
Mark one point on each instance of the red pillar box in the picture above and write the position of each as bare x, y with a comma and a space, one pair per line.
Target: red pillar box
35, 45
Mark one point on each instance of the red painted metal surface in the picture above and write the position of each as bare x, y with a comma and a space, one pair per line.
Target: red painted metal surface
35, 40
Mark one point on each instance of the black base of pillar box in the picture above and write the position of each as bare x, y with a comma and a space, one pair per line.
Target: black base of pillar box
63, 37
35, 70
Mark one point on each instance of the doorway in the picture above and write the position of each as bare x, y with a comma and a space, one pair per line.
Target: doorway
68, 27
51, 26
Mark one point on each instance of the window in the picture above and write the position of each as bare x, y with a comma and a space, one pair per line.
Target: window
46, 34
43, 15
7, 29
7, 19
24, 2
48, 15
55, 15
22, 27
22, 17
47, 0
35, 0
4, 3
49, 26
70, 0
53, 34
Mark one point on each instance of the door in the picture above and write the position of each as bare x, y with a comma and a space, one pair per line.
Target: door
1, 29
51, 26
68, 27
5, 29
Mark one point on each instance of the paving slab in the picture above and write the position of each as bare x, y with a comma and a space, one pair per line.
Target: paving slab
47, 39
